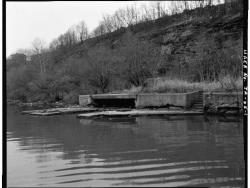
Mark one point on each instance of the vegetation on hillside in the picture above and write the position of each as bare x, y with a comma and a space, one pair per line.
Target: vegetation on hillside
195, 44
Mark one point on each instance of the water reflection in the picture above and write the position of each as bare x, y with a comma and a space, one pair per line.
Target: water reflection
134, 151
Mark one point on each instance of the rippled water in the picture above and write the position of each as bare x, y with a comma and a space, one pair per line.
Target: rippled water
143, 151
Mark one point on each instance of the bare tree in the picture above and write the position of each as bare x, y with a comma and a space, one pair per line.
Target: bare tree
61, 40
82, 31
120, 18
157, 9
38, 49
140, 60
174, 7
54, 44
100, 68
27, 52
99, 30
145, 13
108, 23
70, 37
131, 15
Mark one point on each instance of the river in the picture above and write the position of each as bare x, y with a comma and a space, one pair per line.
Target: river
165, 151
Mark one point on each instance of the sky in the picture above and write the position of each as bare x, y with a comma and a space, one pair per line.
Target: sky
26, 21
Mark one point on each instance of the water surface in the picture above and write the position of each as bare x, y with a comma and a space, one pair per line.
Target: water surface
143, 151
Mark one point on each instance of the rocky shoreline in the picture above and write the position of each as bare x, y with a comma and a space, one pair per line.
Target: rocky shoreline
223, 103
224, 109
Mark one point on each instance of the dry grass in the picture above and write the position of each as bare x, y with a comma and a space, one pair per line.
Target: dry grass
132, 90
226, 83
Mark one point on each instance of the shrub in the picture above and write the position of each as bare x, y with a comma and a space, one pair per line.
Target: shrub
71, 97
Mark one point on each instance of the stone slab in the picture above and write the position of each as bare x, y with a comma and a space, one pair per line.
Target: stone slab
138, 113
57, 111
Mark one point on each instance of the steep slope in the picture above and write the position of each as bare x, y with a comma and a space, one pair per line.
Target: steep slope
200, 45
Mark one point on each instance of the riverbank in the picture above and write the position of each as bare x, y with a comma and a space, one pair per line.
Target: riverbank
211, 103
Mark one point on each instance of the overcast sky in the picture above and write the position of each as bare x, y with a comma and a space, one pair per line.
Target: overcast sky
26, 21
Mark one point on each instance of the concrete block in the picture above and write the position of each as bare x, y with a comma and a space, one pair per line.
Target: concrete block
155, 99
84, 100
161, 99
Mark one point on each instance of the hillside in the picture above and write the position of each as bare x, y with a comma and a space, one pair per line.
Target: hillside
196, 46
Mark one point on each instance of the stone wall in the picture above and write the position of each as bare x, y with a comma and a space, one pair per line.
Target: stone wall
220, 98
224, 103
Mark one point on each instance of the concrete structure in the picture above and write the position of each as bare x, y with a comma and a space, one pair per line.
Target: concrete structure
113, 96
114, 100
230, 103
218, 98
84, 100
143, 100
162, 99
